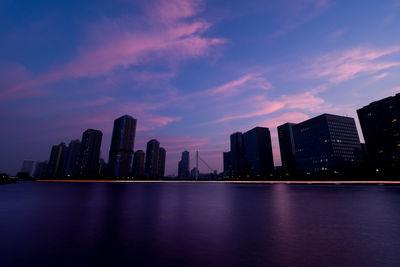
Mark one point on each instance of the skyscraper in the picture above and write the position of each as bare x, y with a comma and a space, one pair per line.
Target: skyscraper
56, 161
122, 143
227, 157
152, 153
71, 163
238, 154
90, 153
327, 143
287, 148
184, 166
162, 153
380, 124
258, 152
138, 163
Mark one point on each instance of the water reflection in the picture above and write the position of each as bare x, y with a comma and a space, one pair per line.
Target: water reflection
153, 224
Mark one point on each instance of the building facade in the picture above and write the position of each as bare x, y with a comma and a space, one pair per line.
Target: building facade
287, 148
162, 154
121, 149
152, 153
184, 165
327, 143
380, 124
227, 158
258, 152
71, 163
138, 163
90, 153
56, 160
238, 154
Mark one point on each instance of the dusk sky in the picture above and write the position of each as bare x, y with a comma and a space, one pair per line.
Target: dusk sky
190, 71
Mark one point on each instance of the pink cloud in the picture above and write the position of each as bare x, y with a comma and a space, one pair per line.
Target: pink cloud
341, 66
246, 82
379, 76
293, 117
259, 105
173, 34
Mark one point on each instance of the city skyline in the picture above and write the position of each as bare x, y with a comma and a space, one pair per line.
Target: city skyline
193, 73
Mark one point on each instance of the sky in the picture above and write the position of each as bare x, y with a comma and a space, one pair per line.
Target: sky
191, 72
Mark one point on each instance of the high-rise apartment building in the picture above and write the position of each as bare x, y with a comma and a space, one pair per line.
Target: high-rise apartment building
138, 163
56, 161
71, 163
90, 153
121, 149
152, 153
184, 166
162, 153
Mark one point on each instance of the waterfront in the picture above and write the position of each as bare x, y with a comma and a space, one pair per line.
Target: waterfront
199, 224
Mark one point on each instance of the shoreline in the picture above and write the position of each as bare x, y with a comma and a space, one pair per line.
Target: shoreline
228, 182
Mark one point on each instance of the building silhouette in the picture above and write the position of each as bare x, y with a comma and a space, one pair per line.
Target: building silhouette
152, 153
380, 124
40, 169
287, 148
138, 163
27, 166
56, 160
90, 153
227, 158
327, 143
71, 163
238, 154
258, 152
102, 168
184, 165
121, 149
162, 153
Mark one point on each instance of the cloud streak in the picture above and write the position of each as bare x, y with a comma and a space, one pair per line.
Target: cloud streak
341, 66
175, 34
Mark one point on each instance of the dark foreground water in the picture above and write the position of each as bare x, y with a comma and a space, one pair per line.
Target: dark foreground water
207, 224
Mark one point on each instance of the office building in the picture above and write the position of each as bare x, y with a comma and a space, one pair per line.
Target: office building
380, 124
138, 163
227, 158
258, 152
287, 148
238, 154
327, 143
184, 165
121, 149
152, 153
90, 153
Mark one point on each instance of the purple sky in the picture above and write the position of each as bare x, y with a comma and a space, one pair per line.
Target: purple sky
190, 71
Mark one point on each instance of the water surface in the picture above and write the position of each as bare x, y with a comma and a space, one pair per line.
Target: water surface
198, 224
